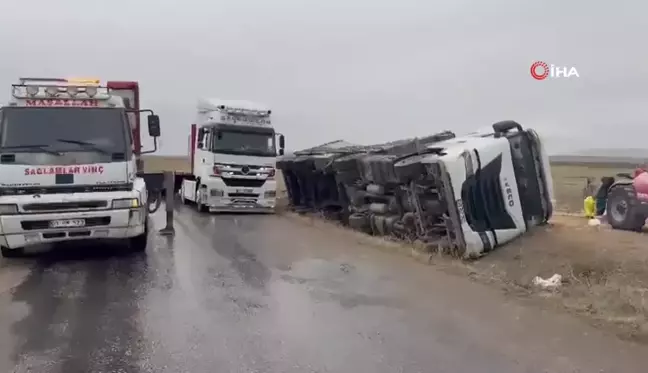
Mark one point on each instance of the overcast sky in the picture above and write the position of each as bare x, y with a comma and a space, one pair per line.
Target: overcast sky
367, 71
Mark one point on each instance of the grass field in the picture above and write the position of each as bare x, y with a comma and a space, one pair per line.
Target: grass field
159, 163
569, 179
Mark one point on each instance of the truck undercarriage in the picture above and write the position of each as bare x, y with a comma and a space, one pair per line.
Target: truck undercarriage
386, 190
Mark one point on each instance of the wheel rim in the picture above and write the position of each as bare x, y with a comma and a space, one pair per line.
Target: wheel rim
619, 210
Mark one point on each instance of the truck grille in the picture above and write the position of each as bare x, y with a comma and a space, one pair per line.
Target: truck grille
19, 191
243, 195
58, 206
44, 224
244, 183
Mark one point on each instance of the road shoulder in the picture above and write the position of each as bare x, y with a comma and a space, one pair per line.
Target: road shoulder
604, 272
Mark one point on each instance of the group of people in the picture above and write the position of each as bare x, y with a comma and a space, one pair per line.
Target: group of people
596, 199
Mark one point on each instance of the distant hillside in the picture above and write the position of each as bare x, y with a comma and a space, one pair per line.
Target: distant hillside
613, 157
615, 152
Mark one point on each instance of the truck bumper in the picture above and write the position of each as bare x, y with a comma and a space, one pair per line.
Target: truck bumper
22, 230
223, 198
225, 204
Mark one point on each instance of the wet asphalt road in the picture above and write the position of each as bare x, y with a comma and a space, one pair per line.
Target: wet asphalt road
270, 294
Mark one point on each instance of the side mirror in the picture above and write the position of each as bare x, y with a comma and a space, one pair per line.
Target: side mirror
153, 125
282, 142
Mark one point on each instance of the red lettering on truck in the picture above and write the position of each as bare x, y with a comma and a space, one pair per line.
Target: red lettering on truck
62, 102
63, 170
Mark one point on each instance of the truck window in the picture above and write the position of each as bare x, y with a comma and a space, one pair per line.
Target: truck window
102, 127
483, 200
206, 137
245, 143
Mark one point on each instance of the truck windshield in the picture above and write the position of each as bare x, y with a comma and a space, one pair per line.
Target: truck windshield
63, 130
245, 143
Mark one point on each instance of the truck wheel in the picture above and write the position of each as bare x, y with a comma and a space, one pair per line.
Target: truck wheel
138, 243
359, 222
12, 253
184, 200
199, 196
624, 210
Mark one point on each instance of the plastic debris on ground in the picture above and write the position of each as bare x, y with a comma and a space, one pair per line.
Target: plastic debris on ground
551, 283
594, 222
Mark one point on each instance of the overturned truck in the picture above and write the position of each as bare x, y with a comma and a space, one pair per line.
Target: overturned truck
464, 195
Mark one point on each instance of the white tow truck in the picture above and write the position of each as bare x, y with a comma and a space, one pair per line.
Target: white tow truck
68, 166
233, 150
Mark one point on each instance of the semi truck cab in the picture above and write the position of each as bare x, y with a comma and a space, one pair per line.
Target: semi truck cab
493, 187
233, 149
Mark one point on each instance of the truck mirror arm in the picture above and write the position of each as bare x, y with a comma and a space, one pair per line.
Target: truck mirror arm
140, 111
155, 147
155, 144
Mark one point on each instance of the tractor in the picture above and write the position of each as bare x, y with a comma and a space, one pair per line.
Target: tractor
626, 200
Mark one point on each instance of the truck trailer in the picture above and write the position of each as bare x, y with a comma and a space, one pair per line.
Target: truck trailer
69, 156
232, 148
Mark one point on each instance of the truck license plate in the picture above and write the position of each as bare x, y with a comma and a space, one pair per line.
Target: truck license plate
67, 223
246, 190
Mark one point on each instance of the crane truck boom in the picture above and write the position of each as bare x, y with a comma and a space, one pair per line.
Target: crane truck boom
233, 152
68, 156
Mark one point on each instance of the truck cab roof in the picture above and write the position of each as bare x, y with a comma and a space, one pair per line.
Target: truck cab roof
216, 104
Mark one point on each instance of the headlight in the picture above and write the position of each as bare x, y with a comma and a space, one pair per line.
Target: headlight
126, 203
8, 209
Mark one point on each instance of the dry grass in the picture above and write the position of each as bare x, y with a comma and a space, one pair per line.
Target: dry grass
605, 272
570, 180
160, 163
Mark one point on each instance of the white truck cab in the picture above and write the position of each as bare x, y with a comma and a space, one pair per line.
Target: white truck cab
494, 186
68, 167
233, 149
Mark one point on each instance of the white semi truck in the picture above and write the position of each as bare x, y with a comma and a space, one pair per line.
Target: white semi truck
233, 149
68, 162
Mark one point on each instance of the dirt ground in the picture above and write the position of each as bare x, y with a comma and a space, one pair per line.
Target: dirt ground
605, 272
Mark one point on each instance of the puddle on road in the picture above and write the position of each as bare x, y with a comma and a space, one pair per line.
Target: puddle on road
342, 283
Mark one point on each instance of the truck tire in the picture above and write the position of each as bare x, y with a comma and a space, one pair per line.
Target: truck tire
184, 200
359, 222
623, 210
199, 205
12, 253
138, 243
